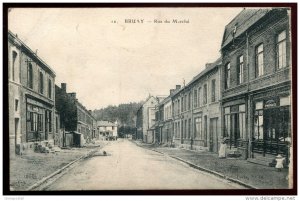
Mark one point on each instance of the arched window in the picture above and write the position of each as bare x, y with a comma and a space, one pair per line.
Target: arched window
30, 76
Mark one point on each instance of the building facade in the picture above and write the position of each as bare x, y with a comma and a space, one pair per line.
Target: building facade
79, 125
145, 119
196, 111
107, 130
31, 97
256, 84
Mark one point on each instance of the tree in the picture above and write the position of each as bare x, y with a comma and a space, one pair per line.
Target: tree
66, 107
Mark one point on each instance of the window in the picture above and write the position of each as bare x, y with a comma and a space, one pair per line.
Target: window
240, 70
49, 88
40, 122
198, 128
199, 95
30, 76
281, 50
14, 55
195, 98
56, 124
259, 60
190, 128
227, 76
227, 122
190, 101
205, 94
185, 102
213, 90
16, 105
185, 128
242, 122
50, 121
181, 104
41, 83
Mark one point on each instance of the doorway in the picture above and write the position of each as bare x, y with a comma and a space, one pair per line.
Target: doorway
213, 137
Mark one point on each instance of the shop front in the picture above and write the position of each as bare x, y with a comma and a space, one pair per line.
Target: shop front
272, 126
38, 121
235, 126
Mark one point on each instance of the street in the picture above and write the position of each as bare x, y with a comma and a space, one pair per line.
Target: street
130, 167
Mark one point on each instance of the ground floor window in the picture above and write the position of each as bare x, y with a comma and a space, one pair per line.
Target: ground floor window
235, 123
272, 125
34, 123
198, 128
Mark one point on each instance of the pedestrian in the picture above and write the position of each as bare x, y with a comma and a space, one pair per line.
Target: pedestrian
223, 147
279, 162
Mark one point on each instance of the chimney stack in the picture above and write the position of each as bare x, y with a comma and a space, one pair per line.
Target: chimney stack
178, 87
73, 94
208, 65
172, 91
64, 87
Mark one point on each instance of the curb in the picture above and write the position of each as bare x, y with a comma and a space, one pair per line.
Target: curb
43, 180
208, 171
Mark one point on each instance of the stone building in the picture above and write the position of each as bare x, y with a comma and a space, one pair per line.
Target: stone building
164, 119
31, 97
145, 119
83, 128
196, 111
256, 83
107, 130
86, 122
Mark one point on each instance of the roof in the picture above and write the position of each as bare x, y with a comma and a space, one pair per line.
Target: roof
105, 123
210, 67
33, 54
241, 23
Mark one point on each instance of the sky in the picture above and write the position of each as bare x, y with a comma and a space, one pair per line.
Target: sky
108, 62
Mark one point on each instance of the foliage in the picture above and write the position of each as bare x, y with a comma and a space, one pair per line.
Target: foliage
124, 130
66, 107
123, 113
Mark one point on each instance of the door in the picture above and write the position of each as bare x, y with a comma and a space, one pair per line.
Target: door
16, 130
213, 135
234, 135
46, 124
205, 131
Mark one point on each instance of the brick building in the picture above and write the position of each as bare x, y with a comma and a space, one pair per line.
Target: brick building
196, 111
31, 97
256, 83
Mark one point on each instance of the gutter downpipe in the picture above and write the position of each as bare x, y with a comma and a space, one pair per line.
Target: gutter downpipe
248, 97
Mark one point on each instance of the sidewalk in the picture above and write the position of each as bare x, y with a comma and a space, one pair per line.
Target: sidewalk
31, 167
258, 176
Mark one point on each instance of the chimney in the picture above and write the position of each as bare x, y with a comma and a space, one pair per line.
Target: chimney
172, 91
64, 87
73, 94
178, 87
207, 65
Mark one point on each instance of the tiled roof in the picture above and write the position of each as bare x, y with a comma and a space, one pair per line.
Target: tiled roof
243, 21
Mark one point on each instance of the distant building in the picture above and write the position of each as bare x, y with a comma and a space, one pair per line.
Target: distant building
31, 97
164, 119
145, 119
256, 83
107, 129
